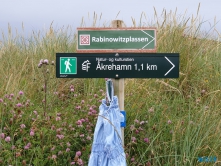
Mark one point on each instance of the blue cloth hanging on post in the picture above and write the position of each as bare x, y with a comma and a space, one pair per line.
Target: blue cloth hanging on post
109, 98
107, 148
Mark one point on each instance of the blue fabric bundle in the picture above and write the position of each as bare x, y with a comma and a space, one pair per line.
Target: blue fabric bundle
107, 149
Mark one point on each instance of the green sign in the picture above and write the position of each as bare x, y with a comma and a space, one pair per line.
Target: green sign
68, 65
120, 39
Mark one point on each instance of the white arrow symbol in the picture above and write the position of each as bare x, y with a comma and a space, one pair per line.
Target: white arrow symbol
150, 41
171, 67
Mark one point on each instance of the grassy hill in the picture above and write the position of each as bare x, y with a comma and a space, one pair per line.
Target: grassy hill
45, 120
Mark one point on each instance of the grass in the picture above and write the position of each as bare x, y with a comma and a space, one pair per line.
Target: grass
180, 117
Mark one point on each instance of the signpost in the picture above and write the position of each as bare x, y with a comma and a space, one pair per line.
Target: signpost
117, 65
117, 52
116, 39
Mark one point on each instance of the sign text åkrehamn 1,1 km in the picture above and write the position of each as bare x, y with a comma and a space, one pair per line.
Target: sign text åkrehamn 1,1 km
126, 65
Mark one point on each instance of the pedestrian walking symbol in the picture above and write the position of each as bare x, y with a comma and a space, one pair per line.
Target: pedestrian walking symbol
68, 65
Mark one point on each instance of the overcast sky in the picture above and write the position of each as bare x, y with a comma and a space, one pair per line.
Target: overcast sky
39, 14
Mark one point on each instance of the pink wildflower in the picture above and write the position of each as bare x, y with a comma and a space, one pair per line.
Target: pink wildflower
146, 140
68, 149
2, 135
82, 120
94, 111
142, 122
27, 146
133, 139
60, 136
45, 62
68, 144
6, 96
52, 127
132, 127
60, 153
20, 93
58, 114
169, 122
80, 162
53, 156
140, 128
19, 105
8, 139
22, 126
88, 138
32, 133
59, 130
78, 107
58, 118
79, 122
78, 153
53, 148
132, 159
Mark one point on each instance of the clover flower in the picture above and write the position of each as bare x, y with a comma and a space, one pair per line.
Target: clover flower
20, 92
146, 140
8, 139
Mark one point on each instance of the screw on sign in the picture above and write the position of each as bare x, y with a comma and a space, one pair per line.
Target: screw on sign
84, 39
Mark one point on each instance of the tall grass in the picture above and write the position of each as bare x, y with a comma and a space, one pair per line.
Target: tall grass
180, 117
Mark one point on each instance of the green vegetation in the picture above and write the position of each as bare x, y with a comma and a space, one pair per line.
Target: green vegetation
169, 121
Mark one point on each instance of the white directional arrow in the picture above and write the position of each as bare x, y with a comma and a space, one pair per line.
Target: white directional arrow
171, 67
150, 41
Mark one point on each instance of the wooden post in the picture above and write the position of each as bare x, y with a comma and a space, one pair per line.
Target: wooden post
119, 83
